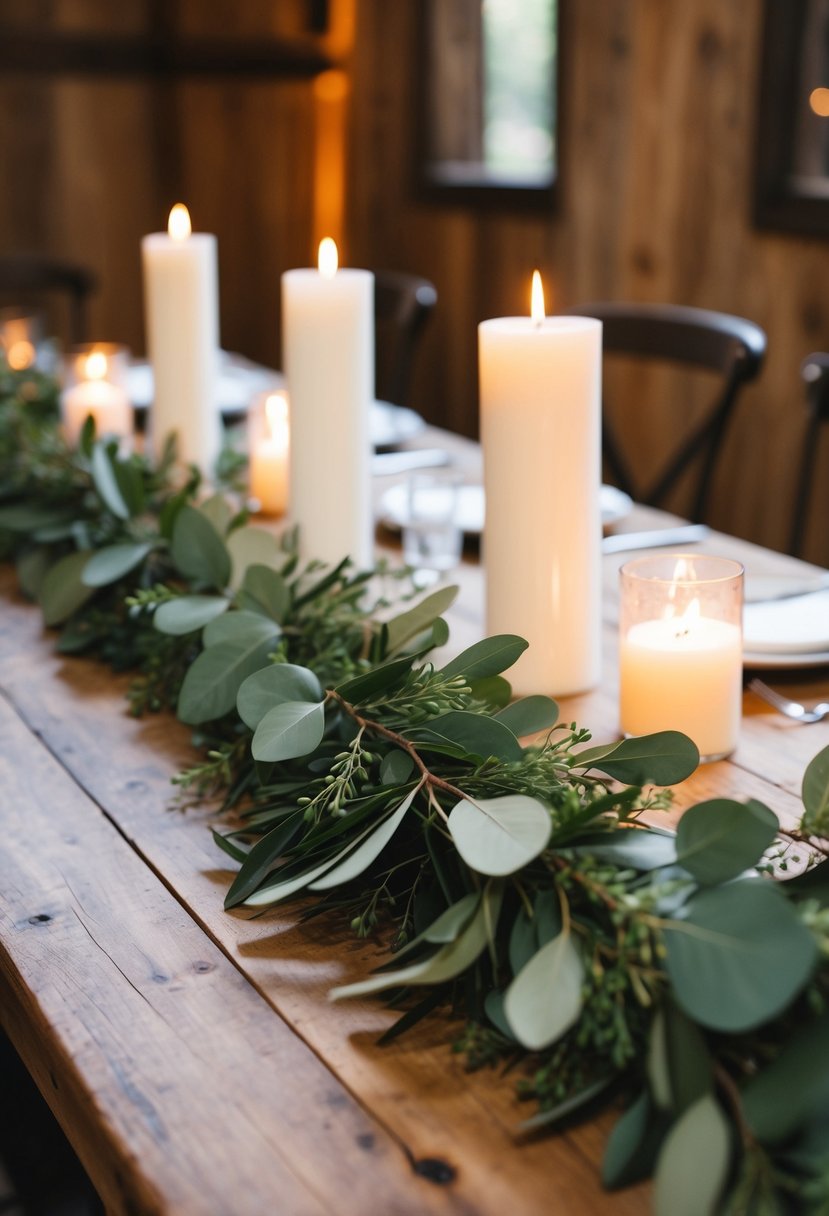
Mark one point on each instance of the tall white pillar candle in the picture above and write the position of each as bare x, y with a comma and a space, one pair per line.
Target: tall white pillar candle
328, 356
181, 298
540, 397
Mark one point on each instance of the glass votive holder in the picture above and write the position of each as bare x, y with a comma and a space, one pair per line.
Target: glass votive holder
680, 649
21, 337
269, 446
432, 535
95, 385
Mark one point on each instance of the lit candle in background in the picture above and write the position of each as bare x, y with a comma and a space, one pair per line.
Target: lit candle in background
328, 354
20, 334
680, 650
181, 296
268, 453
95, 379
540, 387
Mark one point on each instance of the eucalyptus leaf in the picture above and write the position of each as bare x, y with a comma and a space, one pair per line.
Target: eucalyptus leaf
529, 715
784, 1095
693, 1164
283, 888
396, 767
494, 1010
642, 848
218, 511
240, 627
664, 758
408, 625
447, 927
633, 1144
29, 517
475, 734
31, 569
213, 680
291, 729
815, 792
111, 563
366, 853
489, 657
251, 546
188, 613
717, 840
498, 836
739, 955
106, 483
678, 1063
272, 686
131, 484
492, 690
360, 689
450, 961
545, 998
197, 549
63, 590
567, 1107
265, 590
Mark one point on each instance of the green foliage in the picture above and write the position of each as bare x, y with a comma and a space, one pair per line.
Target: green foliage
516, 883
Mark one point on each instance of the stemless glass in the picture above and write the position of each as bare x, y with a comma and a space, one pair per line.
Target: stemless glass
680, 649
432, 536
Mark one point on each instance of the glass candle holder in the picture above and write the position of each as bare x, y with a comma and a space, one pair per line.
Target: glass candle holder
269, 452
21, 336
680, 649
96, 386
432, 535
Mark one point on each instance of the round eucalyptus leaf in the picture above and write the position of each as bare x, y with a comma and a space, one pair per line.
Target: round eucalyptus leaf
739, 955
197, 549
544, 1000
500, 835
252, 547
273, 685
265, 590
717, 840
693, 1164
188, 613
63, 590
113, 562
291, 729
474, 734
213, 680
218, 510
239, 627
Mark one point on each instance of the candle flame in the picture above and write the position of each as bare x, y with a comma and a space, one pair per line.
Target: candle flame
328, 258
95, 366
20, 355
178, 225
686, 623
276, 413
537, 299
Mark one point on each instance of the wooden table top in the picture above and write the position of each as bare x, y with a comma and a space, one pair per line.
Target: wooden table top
191, 1055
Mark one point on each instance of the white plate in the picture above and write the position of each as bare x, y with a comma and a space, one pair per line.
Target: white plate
393, 507
240, 381
789, 626
770, 662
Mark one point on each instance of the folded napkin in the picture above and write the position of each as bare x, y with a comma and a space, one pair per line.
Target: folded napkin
799, 625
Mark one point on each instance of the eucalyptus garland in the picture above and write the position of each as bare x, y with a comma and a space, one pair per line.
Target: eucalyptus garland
682, 974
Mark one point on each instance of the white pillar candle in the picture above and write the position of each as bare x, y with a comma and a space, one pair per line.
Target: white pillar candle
328, 356
268, 453
181, 296
96, 394
540, 393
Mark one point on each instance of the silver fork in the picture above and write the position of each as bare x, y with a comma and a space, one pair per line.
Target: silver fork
791, 709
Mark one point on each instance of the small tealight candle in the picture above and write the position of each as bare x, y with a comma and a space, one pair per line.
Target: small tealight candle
21, 333
95, 381
269, 443
680, 649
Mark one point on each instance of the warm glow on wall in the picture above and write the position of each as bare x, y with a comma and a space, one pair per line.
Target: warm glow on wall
331, 91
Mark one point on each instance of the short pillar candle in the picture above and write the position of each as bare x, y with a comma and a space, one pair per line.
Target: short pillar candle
680, 649
95, 387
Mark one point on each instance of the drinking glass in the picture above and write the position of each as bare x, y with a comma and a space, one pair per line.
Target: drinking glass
432, 537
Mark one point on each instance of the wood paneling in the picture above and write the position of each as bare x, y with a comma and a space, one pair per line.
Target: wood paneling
657, 137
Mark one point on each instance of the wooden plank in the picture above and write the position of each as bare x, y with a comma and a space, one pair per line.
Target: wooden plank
179, 1088
458, 1129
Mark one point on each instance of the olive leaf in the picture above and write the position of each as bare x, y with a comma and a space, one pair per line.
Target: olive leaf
362, 857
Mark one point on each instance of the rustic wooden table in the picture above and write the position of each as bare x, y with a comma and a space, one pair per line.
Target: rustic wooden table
191, 1055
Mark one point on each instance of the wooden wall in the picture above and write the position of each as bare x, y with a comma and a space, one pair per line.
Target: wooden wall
658, 130
657, 138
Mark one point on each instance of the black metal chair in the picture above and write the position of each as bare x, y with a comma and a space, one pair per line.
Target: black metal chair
34, 279
815, 372
402, 306
694, 337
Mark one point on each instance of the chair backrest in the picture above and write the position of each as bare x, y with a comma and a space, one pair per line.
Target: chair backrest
37, 279
815, 373
402, 305
695, 337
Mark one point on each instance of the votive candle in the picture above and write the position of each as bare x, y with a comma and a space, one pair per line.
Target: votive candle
96, 389
268, 453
